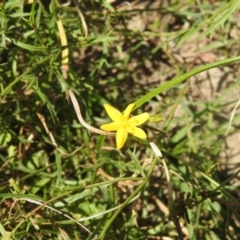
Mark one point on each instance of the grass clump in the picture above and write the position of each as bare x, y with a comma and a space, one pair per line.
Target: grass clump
62, 176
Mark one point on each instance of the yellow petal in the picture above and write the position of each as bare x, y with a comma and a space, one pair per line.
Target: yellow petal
138, 132
113, 113
121, 137
113, 126
128, 110
139, 119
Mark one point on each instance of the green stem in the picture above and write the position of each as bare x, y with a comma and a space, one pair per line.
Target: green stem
17, 79
134, 194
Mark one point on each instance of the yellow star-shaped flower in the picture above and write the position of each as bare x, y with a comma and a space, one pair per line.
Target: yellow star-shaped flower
124, 124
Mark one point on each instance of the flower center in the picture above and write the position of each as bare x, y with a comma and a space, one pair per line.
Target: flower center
126, 125
125, 122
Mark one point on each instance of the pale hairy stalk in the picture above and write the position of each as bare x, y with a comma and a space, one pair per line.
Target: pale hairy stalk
49, 133
80, 219
231, 117
84, 25
80, 118
65, 61
172, 215
55, 210
158, 154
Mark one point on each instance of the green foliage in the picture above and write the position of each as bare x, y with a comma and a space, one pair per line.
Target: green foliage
59, 180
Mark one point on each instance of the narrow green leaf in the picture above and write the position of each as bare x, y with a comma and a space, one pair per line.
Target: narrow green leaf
25, 46
176, 81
